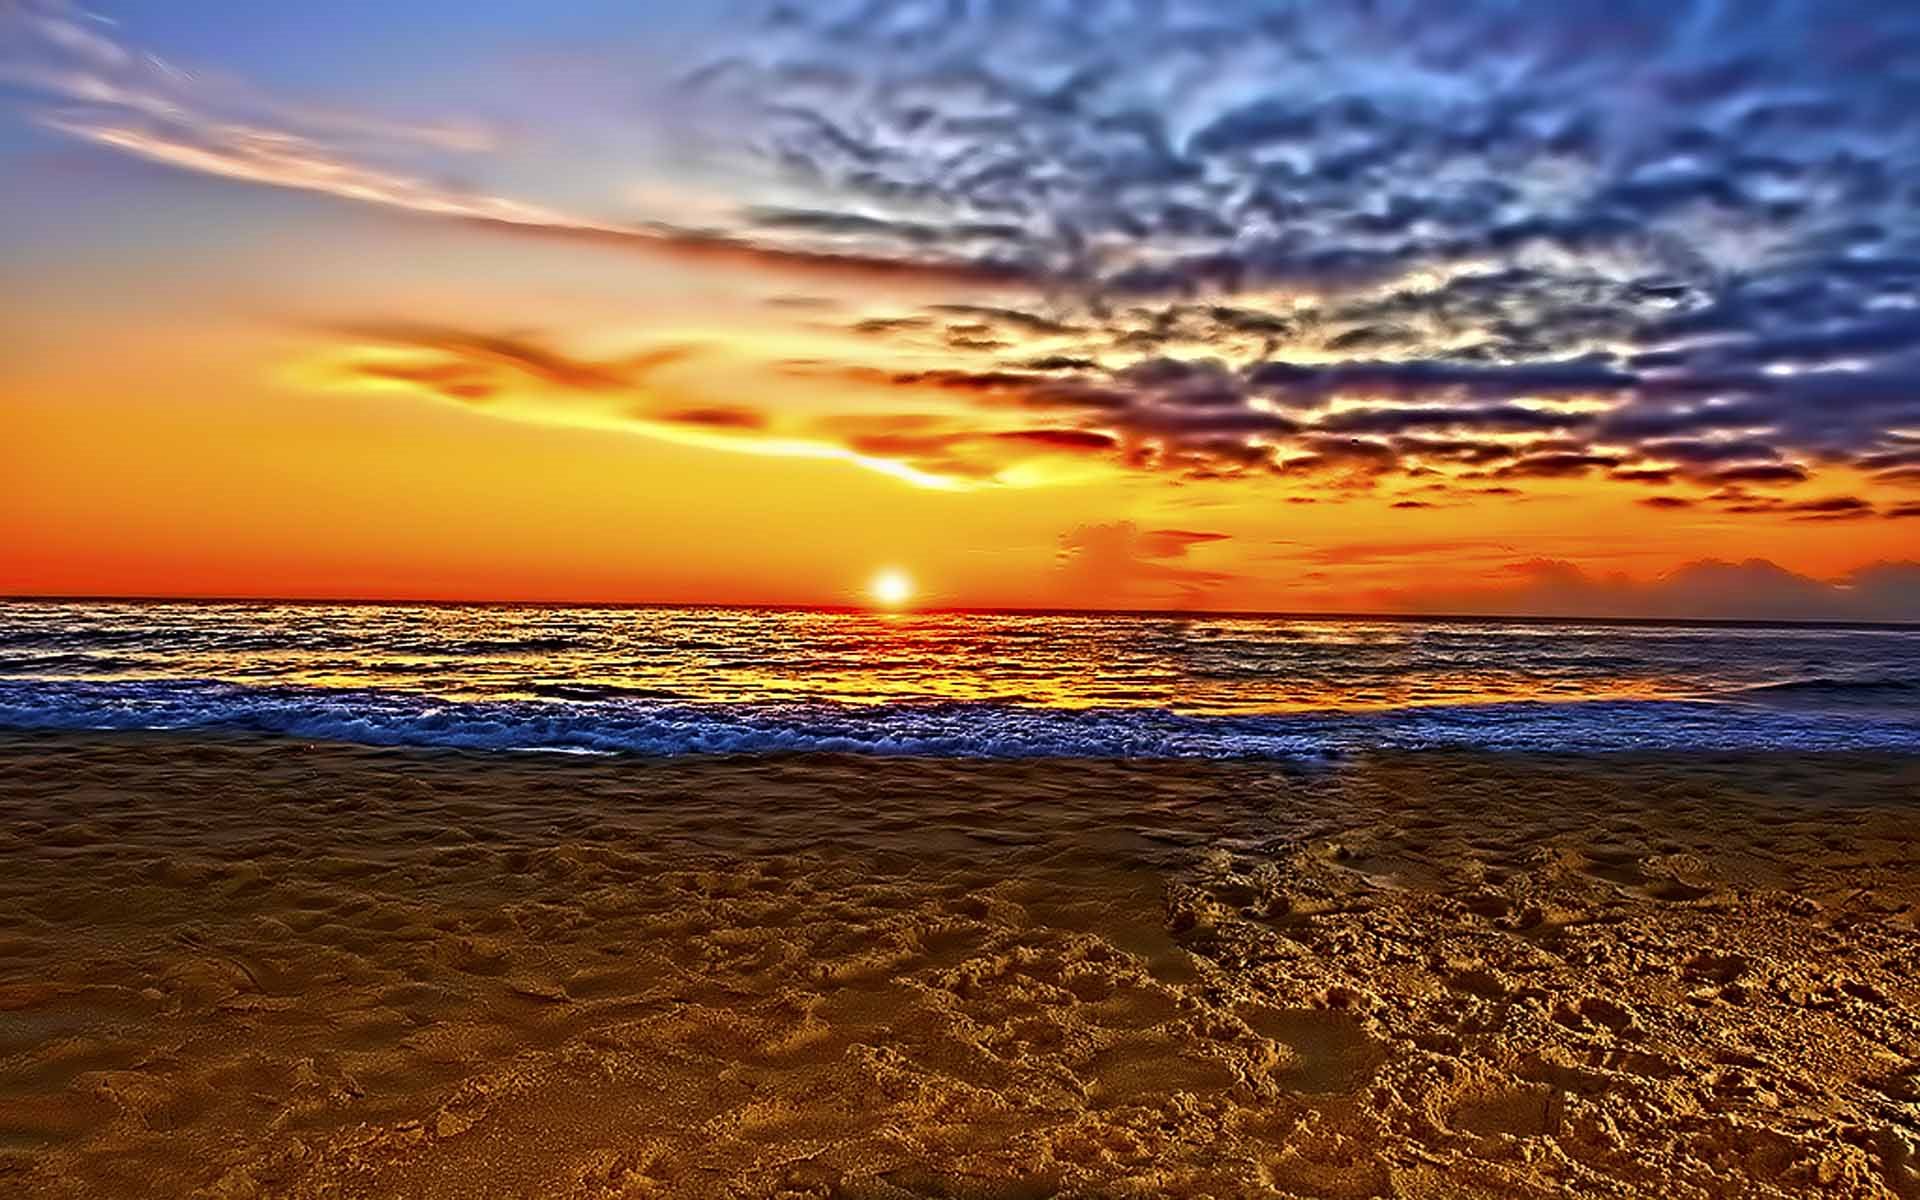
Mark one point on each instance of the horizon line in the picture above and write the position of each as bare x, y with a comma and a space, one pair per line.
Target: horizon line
1399, 617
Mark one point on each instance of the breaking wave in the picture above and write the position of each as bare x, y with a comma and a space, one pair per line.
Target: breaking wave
639, 725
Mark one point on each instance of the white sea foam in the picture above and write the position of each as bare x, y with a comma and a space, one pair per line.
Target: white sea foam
970, 730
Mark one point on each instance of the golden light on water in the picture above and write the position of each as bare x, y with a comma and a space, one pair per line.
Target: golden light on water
891, 588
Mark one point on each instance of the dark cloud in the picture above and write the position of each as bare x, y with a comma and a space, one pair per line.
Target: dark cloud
1762, 473
1656, 476
1707, 453
1832, 506
1558, 465
1059, 362
718, 418
1060, 439
1314, 385
1026, 322
1200, 418
1684, 237
1826, 508
1493, 418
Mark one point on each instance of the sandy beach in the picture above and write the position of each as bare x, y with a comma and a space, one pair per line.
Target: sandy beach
239, 967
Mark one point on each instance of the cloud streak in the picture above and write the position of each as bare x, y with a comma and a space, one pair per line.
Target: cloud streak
98, 90
664, 392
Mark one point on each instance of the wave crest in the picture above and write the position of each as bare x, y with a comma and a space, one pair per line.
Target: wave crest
954, 730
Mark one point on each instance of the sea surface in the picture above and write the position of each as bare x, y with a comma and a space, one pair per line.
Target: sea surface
667, 681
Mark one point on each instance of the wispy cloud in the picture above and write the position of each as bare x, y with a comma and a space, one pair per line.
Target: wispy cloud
97, 89
666, 392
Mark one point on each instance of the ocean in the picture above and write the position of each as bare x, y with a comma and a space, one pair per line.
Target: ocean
668, 681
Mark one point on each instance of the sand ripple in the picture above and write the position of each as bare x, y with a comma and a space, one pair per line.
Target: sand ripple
250, 969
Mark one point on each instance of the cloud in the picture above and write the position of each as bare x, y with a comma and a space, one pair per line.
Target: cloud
98, 90
1556, 465
1204, 417
1756, 589
491, 360
717, 418
1335, 243
940, 448
1761, 473
1605, 232
283, 159
1187, 417
667, 392
1059, 439
1117, 564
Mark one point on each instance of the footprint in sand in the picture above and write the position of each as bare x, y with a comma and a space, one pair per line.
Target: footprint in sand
1526, 1110
1332, 1052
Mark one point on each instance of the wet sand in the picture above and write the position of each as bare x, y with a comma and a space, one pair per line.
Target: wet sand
240, 968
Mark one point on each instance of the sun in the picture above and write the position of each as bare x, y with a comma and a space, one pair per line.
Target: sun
891, 588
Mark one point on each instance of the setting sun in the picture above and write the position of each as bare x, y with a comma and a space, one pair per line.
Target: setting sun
891, 588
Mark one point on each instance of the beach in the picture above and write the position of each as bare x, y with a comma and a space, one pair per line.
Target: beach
238, 966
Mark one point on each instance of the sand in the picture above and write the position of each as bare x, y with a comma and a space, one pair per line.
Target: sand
239, 968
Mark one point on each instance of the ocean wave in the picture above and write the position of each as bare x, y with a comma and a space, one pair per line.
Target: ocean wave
948, 730
79, 662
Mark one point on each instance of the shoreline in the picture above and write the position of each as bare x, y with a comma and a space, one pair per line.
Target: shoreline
964, 730
14, 737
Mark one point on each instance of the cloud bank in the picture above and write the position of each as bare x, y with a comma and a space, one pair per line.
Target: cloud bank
1677, 243
1754, 590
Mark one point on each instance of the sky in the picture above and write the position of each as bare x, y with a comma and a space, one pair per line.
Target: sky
1360, 305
